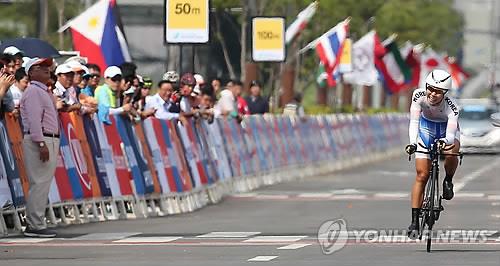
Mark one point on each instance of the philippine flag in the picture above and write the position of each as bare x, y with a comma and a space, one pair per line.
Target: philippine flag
329, 47
97, 36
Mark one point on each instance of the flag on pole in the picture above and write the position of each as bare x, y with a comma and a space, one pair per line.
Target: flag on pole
97, 35
299, 24
391, 65
363, 61
458, 75
324, 78
412, 53
431, 60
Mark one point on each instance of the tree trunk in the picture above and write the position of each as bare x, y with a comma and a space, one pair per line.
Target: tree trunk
60, 22
287, 85
395, 101
322, 95
346, 94
225, 51
367, 97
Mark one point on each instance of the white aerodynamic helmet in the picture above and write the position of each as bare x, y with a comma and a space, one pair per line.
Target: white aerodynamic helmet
439, 79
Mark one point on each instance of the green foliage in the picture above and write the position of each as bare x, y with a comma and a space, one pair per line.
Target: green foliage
20, 19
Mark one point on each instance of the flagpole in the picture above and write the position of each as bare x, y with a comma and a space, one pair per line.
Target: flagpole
313, 43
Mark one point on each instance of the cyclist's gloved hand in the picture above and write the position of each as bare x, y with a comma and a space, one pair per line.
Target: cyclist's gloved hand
411, 148
441, 144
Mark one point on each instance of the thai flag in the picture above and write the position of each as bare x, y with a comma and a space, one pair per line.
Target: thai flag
329, 48
97, 35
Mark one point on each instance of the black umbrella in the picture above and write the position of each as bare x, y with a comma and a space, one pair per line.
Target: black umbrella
32, 47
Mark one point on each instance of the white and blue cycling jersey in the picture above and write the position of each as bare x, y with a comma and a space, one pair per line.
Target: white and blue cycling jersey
429, 122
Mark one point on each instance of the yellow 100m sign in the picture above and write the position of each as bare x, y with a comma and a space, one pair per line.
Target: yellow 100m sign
268, 39
187, 21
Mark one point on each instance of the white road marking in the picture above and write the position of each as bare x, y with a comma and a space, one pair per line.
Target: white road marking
162, 239
244, 195
391, 195
469, 195
228, 234
494, 197
294, 246
27, 240
466, 179
495, 204
346, 191
275, 239
395, 173
271, 197
315, 195
105, 236
263, 258
495, 215
349, 197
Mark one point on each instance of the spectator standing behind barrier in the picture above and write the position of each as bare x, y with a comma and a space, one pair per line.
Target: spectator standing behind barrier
107, 95
64, 90
241, 104
187, 84
161, 102
216, 86
19, 86
94, 77
40, 144
7, 76
294, 107
139, 101
17, 54
256, 103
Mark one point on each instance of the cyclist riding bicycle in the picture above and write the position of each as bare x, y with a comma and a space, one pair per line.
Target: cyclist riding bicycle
433, 115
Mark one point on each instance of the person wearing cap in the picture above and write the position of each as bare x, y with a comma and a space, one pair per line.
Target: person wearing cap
256, 103
64, 89
79, 70
93, 78
40, 144
107, 95
17, 54
187, 83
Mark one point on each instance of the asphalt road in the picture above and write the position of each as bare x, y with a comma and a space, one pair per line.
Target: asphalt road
279, 225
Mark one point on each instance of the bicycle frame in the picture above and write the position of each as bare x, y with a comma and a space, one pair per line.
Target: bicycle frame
431, 205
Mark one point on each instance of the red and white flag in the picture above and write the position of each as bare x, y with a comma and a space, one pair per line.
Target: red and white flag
299, 24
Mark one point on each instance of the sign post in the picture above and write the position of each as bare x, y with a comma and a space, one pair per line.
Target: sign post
187, 22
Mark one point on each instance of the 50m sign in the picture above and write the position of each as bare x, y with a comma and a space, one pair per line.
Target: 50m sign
187, 21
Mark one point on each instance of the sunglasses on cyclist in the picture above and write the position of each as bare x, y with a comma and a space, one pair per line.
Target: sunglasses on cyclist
435, 90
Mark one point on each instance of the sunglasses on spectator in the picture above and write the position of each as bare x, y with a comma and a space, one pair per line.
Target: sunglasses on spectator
116, 78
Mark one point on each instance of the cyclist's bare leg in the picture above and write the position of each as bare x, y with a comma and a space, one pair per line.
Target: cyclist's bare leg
423, 167
451, 162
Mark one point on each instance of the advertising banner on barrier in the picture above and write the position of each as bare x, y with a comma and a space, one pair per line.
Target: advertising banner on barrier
234, 159
145, 152
10, 167
162, 158
15, 133
218, 153
143, 180
190, 155
201, 136
255, 132
240, 149
80, 186
79, 131
73, 158
116, 169
97, 156
5, 194
174, 144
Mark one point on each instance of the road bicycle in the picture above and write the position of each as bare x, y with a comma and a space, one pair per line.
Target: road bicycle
431, 205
